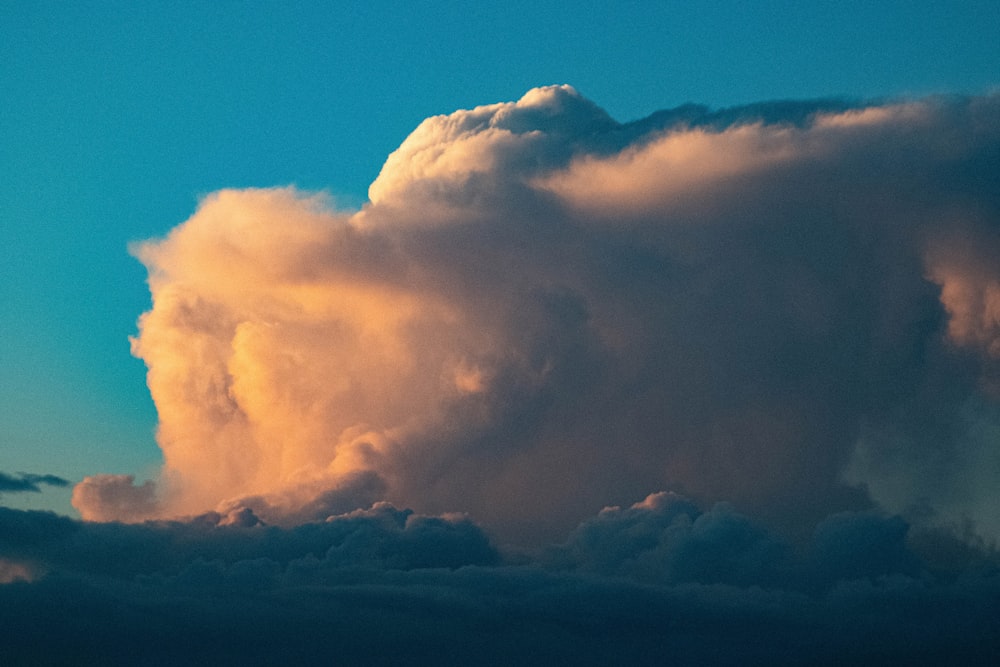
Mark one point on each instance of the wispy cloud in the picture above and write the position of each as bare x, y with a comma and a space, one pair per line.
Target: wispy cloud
22, 482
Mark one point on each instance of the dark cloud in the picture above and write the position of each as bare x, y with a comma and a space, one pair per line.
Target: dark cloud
661, 581
28, 482
360, 489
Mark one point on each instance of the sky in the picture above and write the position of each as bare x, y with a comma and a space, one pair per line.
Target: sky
680, 320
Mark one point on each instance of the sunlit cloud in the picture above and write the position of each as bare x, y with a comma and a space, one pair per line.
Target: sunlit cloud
542, 312
115, 498
964, 264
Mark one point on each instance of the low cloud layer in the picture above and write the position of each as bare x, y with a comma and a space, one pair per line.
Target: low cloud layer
661, 581
790, 307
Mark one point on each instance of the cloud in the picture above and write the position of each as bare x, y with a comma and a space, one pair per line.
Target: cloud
11, 571
378, 537
114, 497
22, 482
660, 581
449, 157
542, 312
962, 262
667, 539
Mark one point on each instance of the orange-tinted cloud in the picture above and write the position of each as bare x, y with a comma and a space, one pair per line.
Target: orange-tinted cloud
115, 498
964, 263
11, 571
542, 312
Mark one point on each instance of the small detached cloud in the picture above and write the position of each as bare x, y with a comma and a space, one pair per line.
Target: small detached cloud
22, 482
114, 497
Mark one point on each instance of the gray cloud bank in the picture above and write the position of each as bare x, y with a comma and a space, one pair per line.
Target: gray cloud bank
660, 582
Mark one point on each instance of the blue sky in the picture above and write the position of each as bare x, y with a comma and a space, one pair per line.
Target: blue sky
117, 116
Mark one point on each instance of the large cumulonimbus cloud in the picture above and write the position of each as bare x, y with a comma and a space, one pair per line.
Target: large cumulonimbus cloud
794, 307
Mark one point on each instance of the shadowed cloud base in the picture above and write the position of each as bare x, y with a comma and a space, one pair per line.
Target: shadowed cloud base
658, 582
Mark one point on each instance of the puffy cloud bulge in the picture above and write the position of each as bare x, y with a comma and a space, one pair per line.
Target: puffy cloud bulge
543, 311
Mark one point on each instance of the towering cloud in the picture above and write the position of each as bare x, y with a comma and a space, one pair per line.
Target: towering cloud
542, 311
